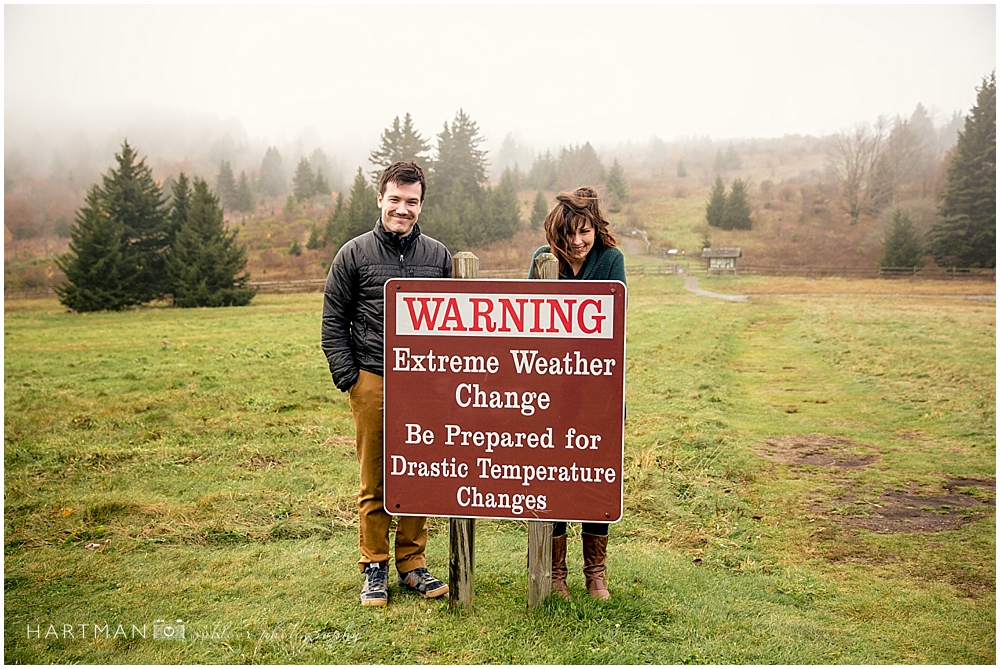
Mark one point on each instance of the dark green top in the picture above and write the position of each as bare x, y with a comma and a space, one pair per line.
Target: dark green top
603, 263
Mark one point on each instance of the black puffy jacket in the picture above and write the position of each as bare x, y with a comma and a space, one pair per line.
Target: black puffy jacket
353, 306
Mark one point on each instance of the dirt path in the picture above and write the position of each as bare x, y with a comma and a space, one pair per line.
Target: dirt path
691, 284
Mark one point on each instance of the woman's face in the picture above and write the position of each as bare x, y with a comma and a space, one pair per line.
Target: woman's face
581, 241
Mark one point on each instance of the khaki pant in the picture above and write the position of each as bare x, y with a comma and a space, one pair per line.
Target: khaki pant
373, 521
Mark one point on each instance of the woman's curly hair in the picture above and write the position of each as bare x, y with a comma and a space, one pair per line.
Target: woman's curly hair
573, 210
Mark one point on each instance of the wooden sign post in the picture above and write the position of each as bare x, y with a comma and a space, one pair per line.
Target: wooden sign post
462, 531
546, 266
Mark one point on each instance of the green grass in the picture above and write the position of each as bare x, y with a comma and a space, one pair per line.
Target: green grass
206, 459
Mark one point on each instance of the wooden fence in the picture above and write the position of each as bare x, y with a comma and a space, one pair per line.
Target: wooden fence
648, 269
925, 273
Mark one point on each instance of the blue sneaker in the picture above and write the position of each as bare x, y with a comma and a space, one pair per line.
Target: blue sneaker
375, 591
421, 580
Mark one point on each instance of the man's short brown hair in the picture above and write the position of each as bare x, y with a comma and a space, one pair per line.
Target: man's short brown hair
403, 172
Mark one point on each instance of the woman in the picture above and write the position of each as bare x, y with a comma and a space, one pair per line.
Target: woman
578, 236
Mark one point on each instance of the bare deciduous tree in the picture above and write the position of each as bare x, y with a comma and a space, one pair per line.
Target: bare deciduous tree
853, 157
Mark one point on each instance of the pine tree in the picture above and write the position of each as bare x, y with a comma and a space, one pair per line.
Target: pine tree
294, 249
544, 172
304, 182
179, 201
539, 211
736, 215
206, 261
902, 244
457, 189
331, 228
133, 204
320, 185
272, 175
98, 277
360, 214
133, 197
225, 186
967, 235
316, 240
244, 194
617, 186
681, 170
716, 205
503, 211
400, 142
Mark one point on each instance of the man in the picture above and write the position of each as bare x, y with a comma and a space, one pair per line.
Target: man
353, 324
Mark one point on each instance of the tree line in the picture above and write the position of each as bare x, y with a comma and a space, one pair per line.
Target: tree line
131, 244
874, 164
462, 209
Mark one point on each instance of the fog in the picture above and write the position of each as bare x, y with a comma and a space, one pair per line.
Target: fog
190, 82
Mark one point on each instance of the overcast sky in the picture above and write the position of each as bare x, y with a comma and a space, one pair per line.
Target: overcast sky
553, 74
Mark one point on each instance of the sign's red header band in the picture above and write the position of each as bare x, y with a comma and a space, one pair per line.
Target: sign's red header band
505, 315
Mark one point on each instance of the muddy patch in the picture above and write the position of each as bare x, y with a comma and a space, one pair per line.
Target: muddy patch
958, 502
818, 450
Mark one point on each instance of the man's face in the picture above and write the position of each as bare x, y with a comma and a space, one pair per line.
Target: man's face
400, 205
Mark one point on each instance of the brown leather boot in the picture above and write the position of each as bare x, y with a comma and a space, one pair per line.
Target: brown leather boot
595, 550
559, 571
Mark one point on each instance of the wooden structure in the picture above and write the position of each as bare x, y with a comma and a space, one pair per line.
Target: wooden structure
546, 266
721, 260
462, 531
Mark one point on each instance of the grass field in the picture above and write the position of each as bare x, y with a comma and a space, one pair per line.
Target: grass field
809, 479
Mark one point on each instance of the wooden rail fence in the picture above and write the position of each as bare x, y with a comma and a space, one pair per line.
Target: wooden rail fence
659, 268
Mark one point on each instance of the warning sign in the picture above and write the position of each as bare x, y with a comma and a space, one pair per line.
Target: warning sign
504, 399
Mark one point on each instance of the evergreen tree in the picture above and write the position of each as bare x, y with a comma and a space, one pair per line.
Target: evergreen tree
617, 186
319, 161
503, 211
706, 241
457, 189
400, 142
544, 172
244, 194
681, 170
133, 197
272, 174
330, 229
716, 205
134, 204
98, 277
294, 249
320, 185
289, 208
303, 183
206, 261
539, 211
179, 201
316, 240
225, 186
967, 235
736, 215
360, 214
902, 244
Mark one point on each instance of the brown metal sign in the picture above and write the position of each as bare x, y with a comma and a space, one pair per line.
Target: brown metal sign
504, 398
